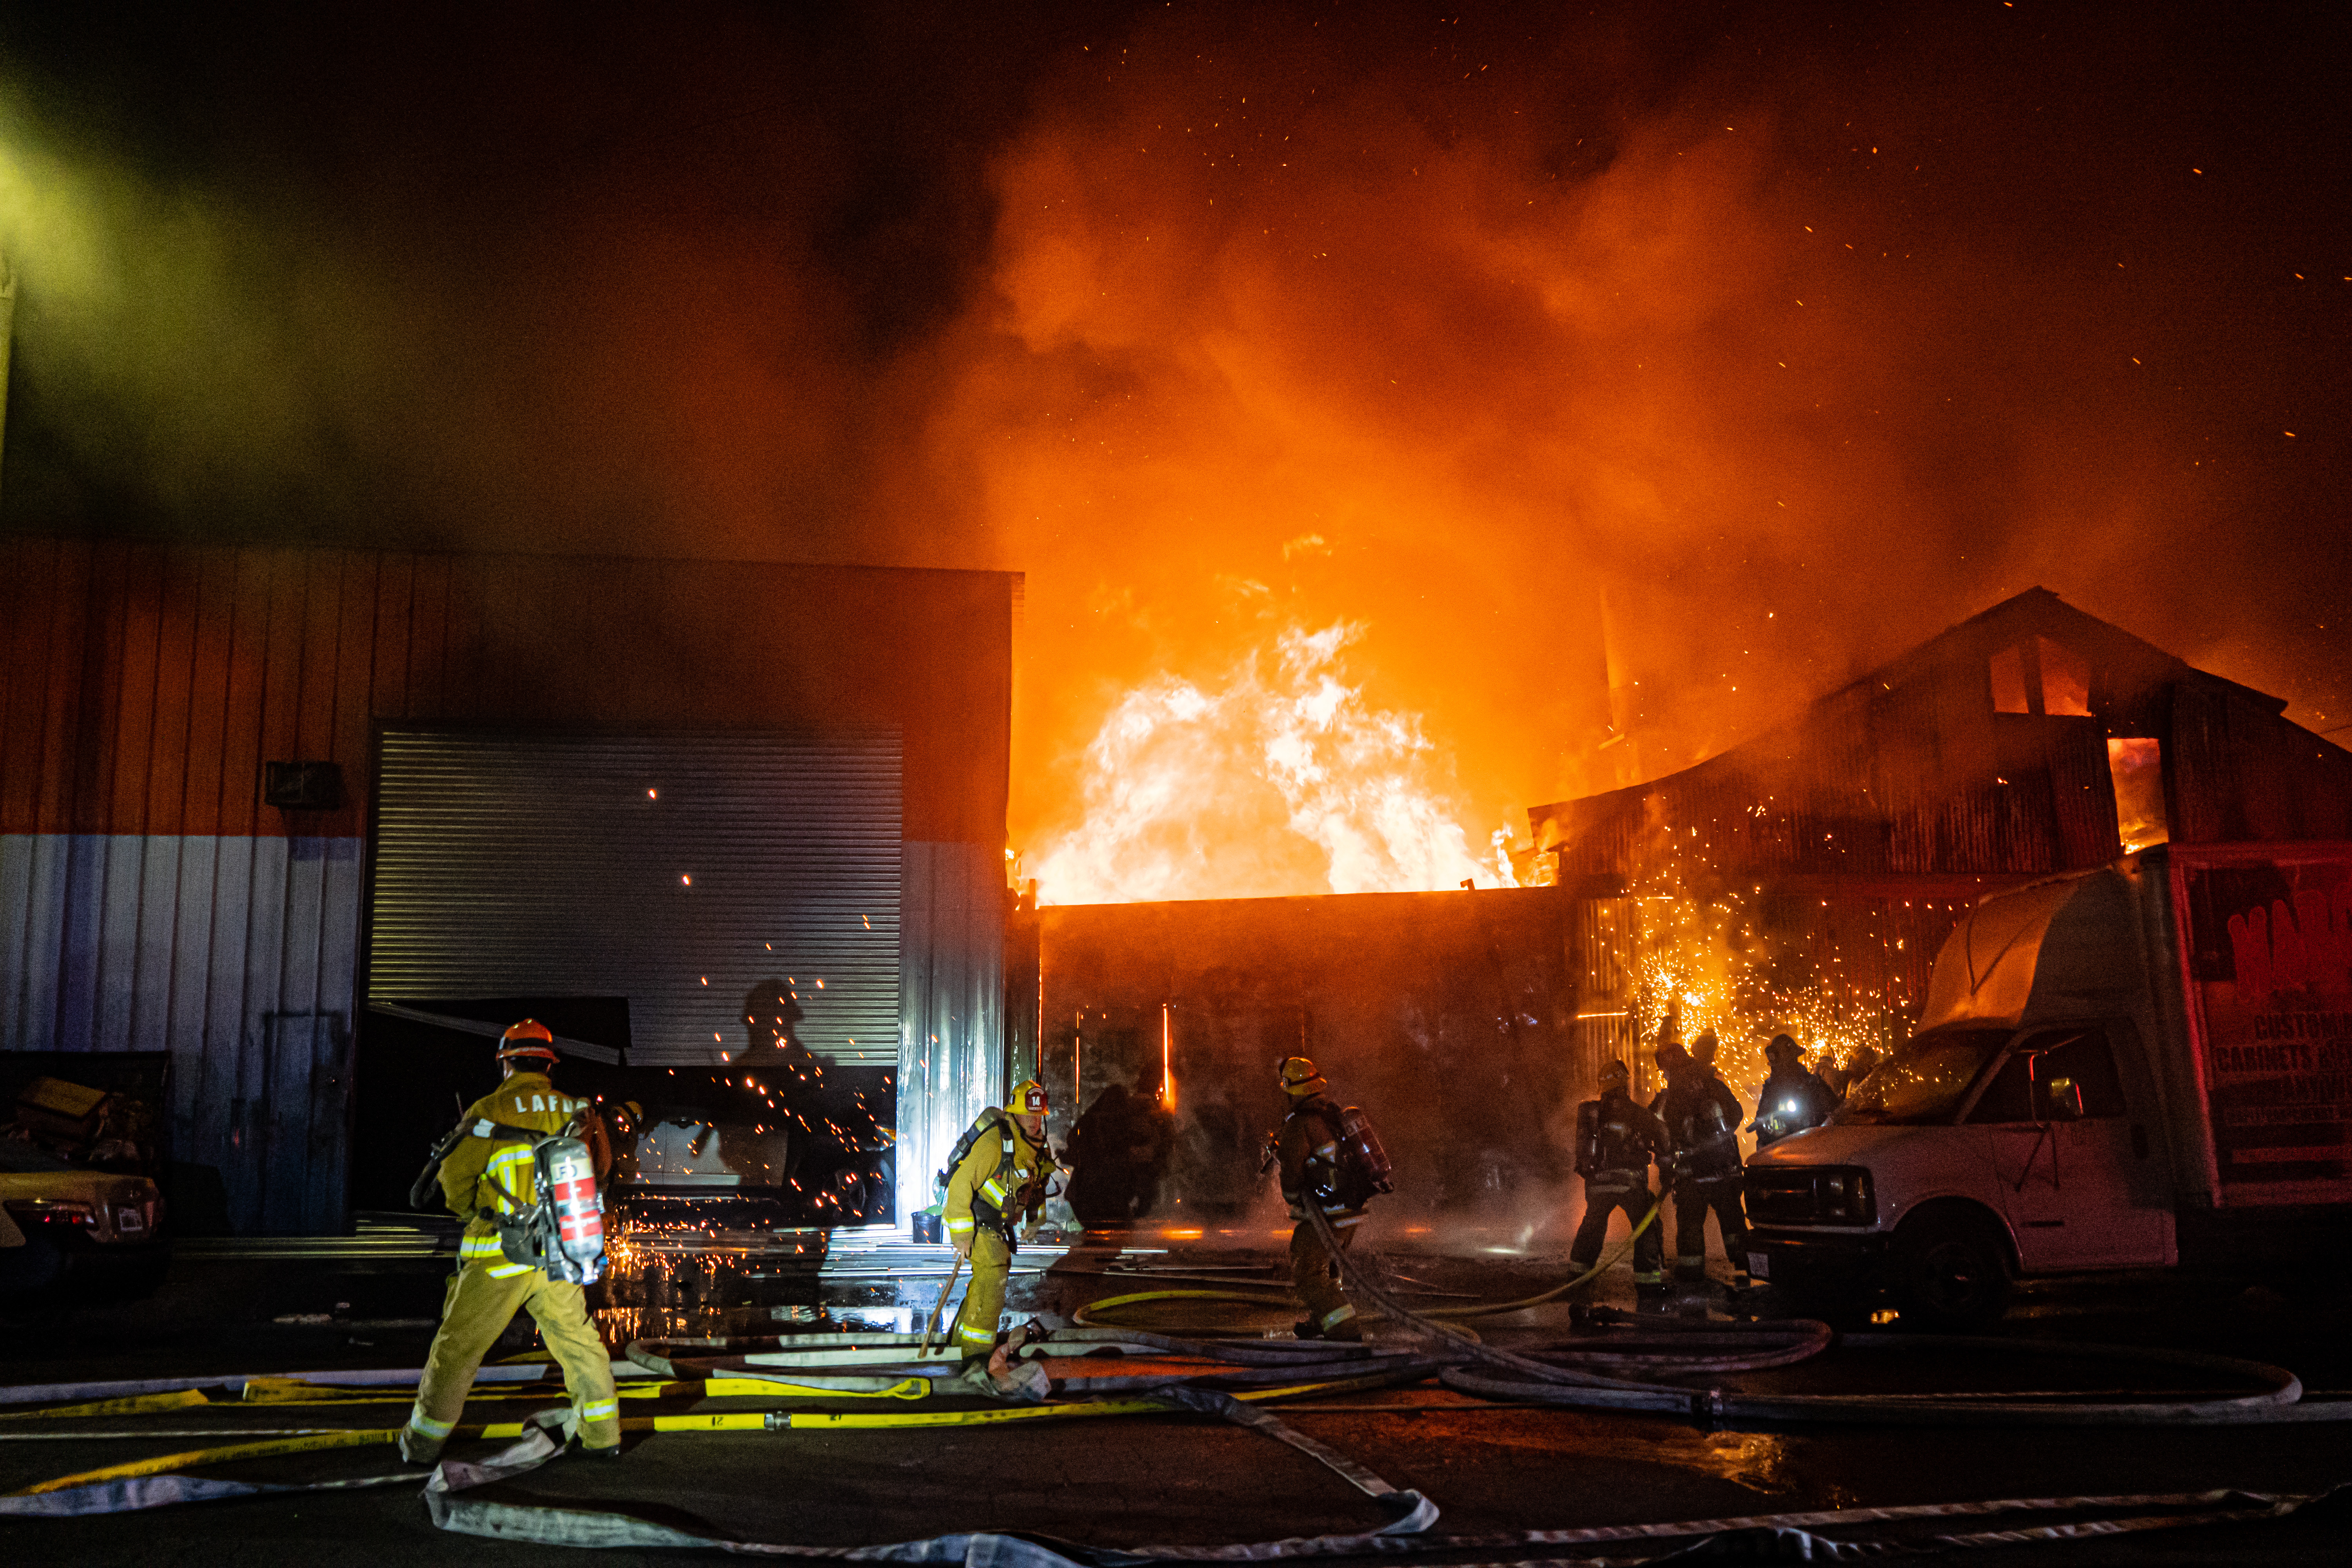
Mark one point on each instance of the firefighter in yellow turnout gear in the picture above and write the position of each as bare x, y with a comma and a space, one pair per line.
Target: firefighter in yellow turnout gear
1001, 1181
495, 1172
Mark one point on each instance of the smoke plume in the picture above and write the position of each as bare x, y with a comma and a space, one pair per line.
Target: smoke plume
1620, 380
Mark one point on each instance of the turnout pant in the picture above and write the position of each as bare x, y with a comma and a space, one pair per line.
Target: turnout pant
983, 1299
479, 1308
1694, 1196
1604, 1195
1315, 1277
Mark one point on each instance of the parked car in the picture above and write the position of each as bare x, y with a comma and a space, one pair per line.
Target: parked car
59, 1221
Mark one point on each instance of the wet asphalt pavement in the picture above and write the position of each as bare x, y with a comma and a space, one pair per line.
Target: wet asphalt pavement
1181, 1479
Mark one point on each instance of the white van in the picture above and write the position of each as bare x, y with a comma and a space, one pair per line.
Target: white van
2114, 1069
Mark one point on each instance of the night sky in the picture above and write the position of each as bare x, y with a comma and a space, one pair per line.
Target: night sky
1773, 338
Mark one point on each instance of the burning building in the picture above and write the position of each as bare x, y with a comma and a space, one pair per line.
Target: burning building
1805, 879
1802, 880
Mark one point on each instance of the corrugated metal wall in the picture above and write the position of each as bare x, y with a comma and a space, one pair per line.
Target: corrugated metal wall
688, 871
149, 899
236, 955
2237, 773
951, 1005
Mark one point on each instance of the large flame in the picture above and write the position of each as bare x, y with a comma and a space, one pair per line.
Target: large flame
1279, 777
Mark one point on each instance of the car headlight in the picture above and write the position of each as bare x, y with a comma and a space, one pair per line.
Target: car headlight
1843, 1196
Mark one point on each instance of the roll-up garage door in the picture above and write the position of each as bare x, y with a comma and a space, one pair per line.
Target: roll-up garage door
687, 872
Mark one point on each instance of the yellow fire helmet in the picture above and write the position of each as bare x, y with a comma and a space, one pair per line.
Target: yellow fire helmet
1299, 1078
1027, 1098
1614, 1075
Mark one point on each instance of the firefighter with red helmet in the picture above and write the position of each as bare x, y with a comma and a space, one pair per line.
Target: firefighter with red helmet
1316, 1168
1616, 1139
999, 1182
491, 1165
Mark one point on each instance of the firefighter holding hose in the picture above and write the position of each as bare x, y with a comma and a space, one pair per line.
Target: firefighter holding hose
999, 1180
1616, 1139
490, 1166
1702, 1117
1329, 1158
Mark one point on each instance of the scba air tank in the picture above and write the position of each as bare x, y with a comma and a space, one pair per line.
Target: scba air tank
1363, 1151
568, 1184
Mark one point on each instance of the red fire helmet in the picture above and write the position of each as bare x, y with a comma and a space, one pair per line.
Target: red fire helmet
528, 1038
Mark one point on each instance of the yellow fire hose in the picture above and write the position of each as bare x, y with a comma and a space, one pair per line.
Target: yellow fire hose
1495, 1308
728, 1421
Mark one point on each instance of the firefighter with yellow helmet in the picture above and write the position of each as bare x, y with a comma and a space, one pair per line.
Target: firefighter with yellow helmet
999, 1181
490, 1164
1323, 1149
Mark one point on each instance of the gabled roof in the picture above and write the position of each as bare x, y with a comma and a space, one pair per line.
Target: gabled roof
2132, 665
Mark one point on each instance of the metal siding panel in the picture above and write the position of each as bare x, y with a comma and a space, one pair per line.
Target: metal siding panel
221, 1112
25, 569
90, 755
387, 696
298, 970
131, 734
122, 864
265, 934
428, 640
537, 865
196, 1070
354, 680
952, 1003
165, 805
315, 679
281, 685
44, 941
208, 692
234, 800
61, 693
81, 907
18, 881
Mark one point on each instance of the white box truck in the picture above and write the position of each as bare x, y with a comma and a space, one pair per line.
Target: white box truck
2140, 1066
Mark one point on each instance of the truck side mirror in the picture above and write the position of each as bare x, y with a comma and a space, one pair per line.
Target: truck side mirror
2062, 1101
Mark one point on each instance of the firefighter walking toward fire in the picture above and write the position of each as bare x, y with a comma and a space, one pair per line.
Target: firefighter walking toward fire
1331, 1158
1793, 1099
1616, 1139
1702, 1119
997, 1179
489, 1166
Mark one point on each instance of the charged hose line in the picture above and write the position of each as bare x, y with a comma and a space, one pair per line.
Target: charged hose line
1497, 1308
1085, 1315
2278, 1400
